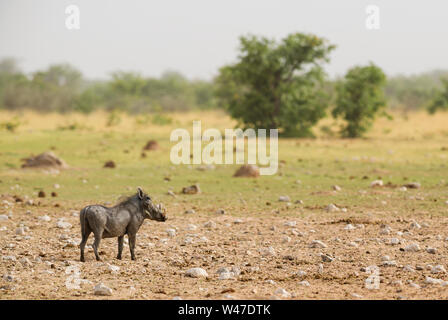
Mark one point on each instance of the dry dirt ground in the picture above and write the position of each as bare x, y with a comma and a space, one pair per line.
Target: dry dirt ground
271, 252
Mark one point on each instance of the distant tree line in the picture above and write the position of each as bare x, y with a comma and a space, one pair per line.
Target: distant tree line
272, 84
62, 88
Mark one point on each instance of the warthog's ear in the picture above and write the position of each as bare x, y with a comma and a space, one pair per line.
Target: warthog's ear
140, 192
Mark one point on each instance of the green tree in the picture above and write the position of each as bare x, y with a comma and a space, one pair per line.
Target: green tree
440, 100
359, 99
276, 85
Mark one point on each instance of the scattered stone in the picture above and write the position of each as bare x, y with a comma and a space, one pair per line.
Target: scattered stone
41, 194
408, 268
332, 208
46, 159
326, 258
220, 211
431, 250
282, 293
336, 188
415, 225
376, 183
194, 189
284, 199
20, 231
248, 170
102, 290
189, 211
210, 225
349, 227
304, 283
412, 185
438, 269
61, 224
317, 244
269, 251
413, 247
3, 217
45, 218
110, 164
196, 273
290, 224
171, 232
113, 269
151, 145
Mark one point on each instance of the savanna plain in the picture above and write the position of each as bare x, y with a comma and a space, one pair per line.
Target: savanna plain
341, 219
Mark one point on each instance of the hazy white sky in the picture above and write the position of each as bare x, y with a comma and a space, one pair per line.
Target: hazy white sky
196, 37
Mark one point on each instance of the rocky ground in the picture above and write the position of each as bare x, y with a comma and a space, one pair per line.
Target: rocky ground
324, 254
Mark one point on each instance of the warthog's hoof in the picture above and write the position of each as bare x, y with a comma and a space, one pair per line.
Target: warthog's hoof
119, 257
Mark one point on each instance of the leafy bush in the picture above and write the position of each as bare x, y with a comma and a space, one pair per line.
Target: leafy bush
359, 98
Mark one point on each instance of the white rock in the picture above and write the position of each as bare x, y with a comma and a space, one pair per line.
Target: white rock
284, 199
190, 211
196, 273
102, 290
210, 225
376, 183
385, 258
290, 224
113, 269
191, 227
226, 275
394, 241
238, 221
3, 217
61, 224
326, 258
304, 283
337, 188
282, 293
286, 239
415, 225
430, 280
269, 251
431, 250
438, 269
301, 273
20, 231
349, 227
45, 218
408, 268
332, 208
220, 211
171, 232
413, 247
317, 244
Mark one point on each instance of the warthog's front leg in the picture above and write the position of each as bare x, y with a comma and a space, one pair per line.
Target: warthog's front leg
120, 247
132, 245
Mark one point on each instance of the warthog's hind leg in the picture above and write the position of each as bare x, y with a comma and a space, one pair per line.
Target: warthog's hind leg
82, 245
96, 244
132, 245
120, 247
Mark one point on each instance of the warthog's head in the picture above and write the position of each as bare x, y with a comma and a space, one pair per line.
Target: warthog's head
152, 211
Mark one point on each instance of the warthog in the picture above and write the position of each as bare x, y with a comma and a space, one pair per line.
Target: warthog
125, 218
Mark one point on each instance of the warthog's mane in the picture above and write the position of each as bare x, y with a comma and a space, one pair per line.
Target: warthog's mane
127, 199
